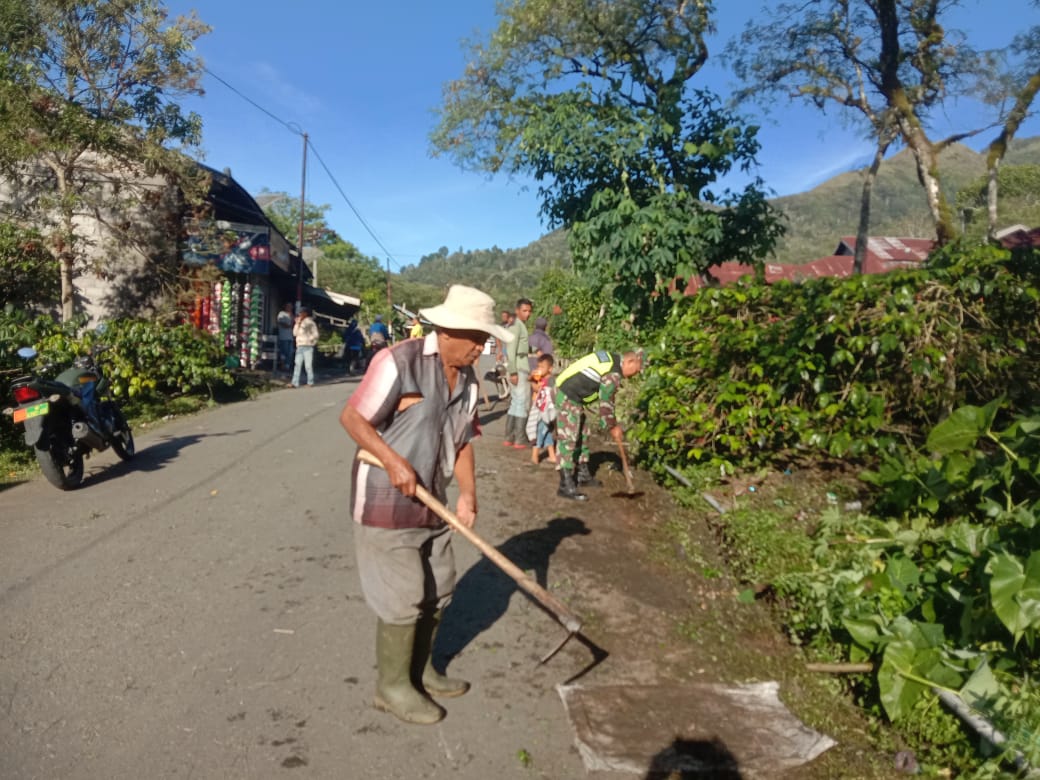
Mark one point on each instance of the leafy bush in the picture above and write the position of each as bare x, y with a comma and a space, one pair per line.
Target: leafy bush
584, 321
845, 367
939, 588
148, 362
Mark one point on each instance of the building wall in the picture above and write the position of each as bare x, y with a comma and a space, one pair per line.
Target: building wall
126, 255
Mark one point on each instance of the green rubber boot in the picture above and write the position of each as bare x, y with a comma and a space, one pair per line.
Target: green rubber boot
435, 683
394, 690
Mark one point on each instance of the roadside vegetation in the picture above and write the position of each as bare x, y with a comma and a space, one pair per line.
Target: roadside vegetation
155, 369
886, 439
905, 401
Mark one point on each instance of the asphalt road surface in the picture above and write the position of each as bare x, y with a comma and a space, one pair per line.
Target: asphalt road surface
195, 613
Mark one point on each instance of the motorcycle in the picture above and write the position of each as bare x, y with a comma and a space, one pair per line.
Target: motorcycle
69, 417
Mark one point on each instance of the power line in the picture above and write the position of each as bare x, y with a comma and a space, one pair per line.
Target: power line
294, 128
357, 214
287, 125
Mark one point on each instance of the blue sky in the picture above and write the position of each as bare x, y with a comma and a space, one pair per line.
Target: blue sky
362, 79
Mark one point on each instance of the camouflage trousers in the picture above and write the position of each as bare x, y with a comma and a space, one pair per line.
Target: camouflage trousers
571, 435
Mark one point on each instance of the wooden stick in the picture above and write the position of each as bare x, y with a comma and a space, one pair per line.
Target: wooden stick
567, 618
624, 465
840, 668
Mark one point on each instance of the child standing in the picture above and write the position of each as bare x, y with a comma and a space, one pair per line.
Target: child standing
544, 407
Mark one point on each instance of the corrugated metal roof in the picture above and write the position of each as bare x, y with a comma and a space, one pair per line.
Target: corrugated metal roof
884, 254
889, 249
1022, 238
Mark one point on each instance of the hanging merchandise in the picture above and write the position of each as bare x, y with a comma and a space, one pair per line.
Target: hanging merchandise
243, 333
214, 308
256, 308
205, 313
225, 313
234, 329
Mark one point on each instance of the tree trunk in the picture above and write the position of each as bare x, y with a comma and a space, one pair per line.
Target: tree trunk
991, 200
998, 148
65, 244
908, 122
68, 300
928, 174
863, 231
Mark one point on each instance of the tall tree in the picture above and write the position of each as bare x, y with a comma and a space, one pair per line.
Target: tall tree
90, 130
890, 64
1013, 90
284, 211
595, 99
346, 270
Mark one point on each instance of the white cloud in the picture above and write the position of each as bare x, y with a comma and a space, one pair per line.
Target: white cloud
275, 86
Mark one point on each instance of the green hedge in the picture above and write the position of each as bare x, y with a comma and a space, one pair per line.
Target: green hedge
147, 363
848, 367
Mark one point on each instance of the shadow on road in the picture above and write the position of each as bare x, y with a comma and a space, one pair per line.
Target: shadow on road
152, 458
482, 595
488, 417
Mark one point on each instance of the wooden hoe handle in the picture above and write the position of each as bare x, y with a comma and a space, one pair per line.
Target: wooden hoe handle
559, 610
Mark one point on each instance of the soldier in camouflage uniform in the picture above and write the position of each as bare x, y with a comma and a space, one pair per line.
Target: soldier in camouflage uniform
591, 381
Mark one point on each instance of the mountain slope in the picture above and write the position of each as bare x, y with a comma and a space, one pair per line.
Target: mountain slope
816, 220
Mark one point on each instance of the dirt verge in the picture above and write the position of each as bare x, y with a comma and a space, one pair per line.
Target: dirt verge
649, 578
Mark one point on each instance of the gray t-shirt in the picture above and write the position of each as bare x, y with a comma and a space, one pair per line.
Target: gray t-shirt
285, 325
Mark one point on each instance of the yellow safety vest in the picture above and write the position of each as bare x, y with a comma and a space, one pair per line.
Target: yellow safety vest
581, 380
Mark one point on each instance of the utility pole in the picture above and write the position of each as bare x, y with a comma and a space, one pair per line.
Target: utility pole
299, 234
389, 297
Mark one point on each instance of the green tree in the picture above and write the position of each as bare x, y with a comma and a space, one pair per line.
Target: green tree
1019, 187
27, 270
890, 63
1013, 89
571, 307
595, 99
284, 212
90, 127
344, 269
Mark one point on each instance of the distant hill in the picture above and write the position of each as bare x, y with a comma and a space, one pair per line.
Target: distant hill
505, 274
816, 220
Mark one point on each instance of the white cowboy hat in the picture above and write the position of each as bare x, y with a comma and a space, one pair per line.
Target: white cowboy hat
466, 308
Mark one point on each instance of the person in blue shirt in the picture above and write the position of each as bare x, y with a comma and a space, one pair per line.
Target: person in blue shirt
355, 341
378, 335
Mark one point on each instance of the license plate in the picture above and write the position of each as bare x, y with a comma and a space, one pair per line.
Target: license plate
28, 412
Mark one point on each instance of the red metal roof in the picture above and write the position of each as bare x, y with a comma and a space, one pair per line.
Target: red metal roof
1021, 239
884, 253
887, 253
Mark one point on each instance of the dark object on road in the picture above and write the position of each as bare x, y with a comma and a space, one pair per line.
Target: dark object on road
69, 417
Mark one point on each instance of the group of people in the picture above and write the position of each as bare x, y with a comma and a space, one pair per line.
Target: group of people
358, 350
298, 335
404, 550
547, 412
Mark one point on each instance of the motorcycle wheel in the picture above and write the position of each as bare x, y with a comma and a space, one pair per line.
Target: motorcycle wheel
122, 436
61, 471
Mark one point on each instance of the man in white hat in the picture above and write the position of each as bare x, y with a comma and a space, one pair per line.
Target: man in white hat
415, 410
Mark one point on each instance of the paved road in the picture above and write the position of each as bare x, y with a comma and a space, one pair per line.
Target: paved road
196, 614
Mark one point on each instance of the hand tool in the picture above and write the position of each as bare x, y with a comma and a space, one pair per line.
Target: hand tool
624, 466
549, 602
